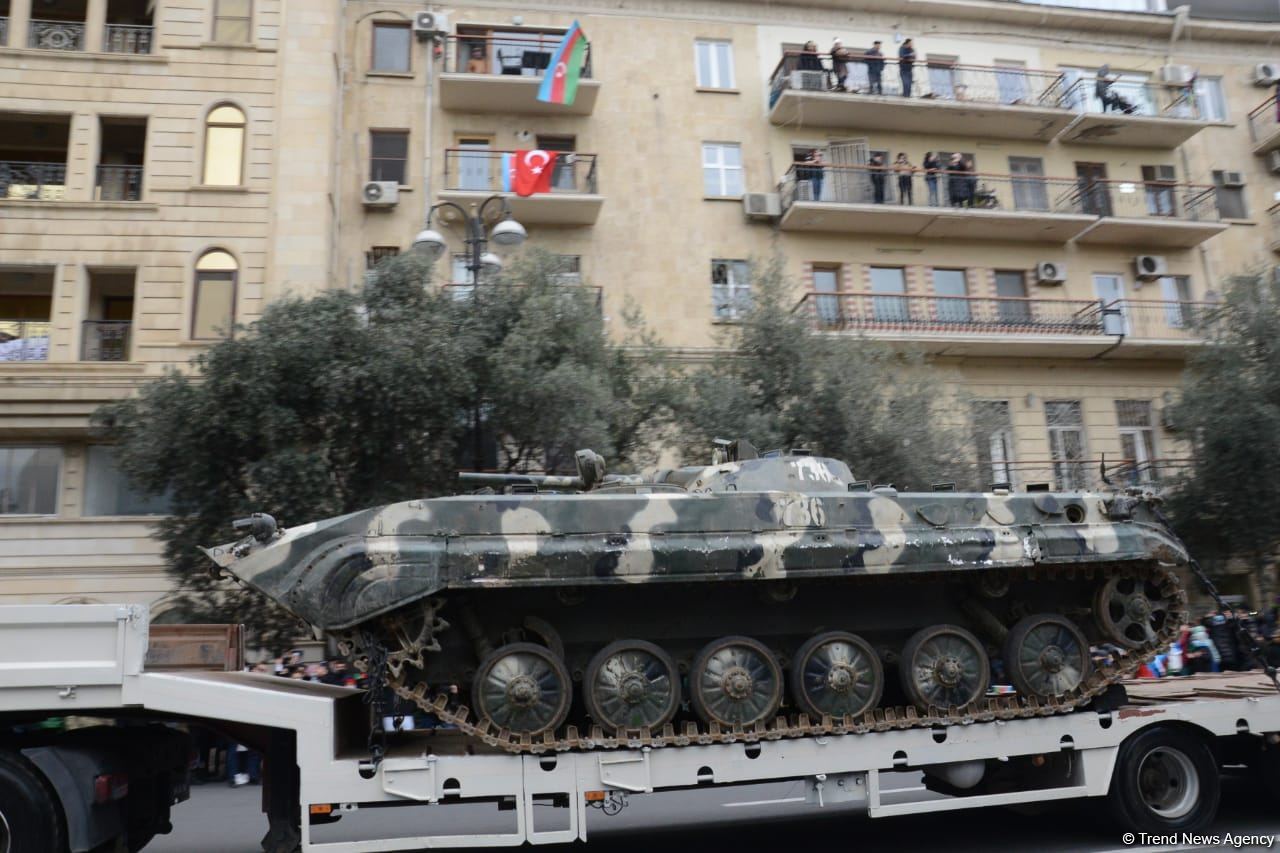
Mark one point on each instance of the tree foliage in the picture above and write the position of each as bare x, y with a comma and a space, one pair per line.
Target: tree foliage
348, 400
1229, 413
783, 385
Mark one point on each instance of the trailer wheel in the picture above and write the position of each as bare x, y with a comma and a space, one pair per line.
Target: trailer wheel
1165, 780
30, 819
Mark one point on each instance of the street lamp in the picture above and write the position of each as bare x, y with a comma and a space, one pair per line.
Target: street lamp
430, 243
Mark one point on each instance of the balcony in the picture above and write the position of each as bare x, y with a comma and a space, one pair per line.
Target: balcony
1264, 126
1010, 103
1136, 114
1010, 326
1150, 215
955, 205
31, 181
105, 340
981, 206
485, 73
127, 38
471, 175
24, 340
56, 35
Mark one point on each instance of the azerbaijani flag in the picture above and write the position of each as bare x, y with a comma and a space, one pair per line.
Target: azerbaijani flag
508, 171
560, 83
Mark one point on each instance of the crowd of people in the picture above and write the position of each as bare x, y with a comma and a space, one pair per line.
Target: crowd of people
842, 74
1215, 644
953, 182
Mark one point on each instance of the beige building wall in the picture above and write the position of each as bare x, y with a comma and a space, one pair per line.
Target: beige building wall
646, 234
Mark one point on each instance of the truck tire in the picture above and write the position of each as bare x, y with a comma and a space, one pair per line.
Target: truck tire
30, 817
1165, 781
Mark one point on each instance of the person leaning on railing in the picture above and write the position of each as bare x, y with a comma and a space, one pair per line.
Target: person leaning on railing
875, 68
932, 169
840, 57
906, 66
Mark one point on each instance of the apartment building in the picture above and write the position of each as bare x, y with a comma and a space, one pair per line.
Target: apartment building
1054, 279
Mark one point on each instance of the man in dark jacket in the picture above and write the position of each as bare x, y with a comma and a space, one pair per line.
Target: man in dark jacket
906, 66
875, 68
1222, 633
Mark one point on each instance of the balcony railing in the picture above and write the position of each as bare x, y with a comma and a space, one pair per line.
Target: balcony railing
509, 56
489, 171
105, 340
119, 183
911, 186
1010, 86
56, 35
34, 181
1264, 121
24, 340
127, 38
1132, 97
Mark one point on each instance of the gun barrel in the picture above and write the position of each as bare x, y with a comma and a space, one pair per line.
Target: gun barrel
549, 481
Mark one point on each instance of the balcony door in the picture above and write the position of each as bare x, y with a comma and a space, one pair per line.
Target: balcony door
1110, 292
562, 174
1175, 292
1011, 82
826, 280
942, 77
1012, 305
1091, 181
889, 308
848, 179
951, 306
1029, 191
475, 163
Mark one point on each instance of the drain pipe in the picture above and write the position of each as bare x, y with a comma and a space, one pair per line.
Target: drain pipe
1180, 17
427, 140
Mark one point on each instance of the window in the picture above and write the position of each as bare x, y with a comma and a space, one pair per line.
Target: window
1011, 81
1160, 183
1231, 204
389, 155
949, 287
1209, 97
213, 312
730, 289
1175, 292
391, 47
1137, 440
889, 309
721, 169
29, 480
232, 20
378, 254
108, 492
943, 76
224, 147
993, 436
1066, 443
826, 279
1014, 307
568, 269
714, 64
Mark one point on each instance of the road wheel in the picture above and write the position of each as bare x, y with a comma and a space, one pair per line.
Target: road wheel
1045, 655
836, 674
524, 688
735, 681
1165, 781
30, 818
631, 684
943, 667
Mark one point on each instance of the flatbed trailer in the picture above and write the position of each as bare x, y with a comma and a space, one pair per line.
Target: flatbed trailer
1155, 754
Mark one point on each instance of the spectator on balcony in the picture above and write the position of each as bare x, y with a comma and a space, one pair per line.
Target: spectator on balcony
810, 170
957, 182
878, 169
932, 168
971, 182
906, 66
875, 68
905, 171
809, 58
840, 57
1110, 99
476, 63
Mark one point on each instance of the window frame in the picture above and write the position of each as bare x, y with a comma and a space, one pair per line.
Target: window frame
1144, 438
209, 125
407, 27
723, 170
1060, 465
984, 434
92, 478
716, 83
373, 158
198, 279
1218, 97
57, 480
737, 294
1237, 193
217, 18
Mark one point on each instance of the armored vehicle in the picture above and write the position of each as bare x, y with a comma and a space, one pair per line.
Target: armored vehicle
760, 596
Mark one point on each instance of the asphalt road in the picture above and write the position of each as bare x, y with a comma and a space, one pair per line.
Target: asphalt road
219, 819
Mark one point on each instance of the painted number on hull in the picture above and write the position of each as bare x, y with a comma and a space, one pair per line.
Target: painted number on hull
802, 511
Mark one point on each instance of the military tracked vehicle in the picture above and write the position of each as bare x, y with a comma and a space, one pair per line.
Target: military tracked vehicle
760, 596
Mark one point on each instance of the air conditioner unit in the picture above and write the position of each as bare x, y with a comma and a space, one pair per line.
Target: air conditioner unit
1233, 179
428, 24
1179, 74
762, 205
1150, 267
1266, 74
1050, 272
810, 80
1273, 161
380, 194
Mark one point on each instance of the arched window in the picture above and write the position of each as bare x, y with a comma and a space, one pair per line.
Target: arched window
224, 147
213, 310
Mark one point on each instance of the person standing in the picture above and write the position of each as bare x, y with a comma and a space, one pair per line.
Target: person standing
971, 182
877, 178
906, 66
932, 168
811, 170
840, 65
905, 171
875, 68
957, 183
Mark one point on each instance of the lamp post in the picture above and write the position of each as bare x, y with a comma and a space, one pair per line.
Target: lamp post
430, 243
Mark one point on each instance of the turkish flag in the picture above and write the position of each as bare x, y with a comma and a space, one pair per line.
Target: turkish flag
533, 171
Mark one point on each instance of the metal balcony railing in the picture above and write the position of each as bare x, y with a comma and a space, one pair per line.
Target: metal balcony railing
1008, 85
934, 314
127, 38
35, 181
489, 171
1264, 119
105, 340
1132, 97
119, 183
56, 35
24, 340
963, 190
527, 55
